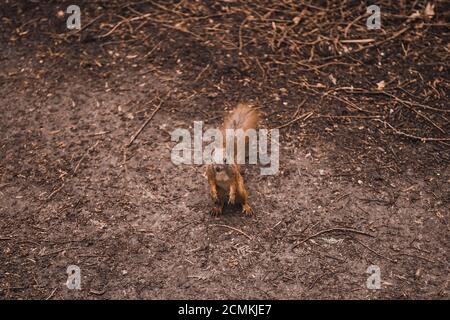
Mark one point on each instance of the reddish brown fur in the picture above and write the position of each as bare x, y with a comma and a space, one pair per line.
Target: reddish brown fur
227, 181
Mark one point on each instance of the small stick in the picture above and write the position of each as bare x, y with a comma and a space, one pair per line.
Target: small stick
351, 104
84, 155
84, 26
201, 73
423, 139
371, 250
330, 230
296, 119
241, 43
262, 70
303, 116
54, 192
232, 228
143, 126
51, 294
347, 28
97, 133
97, 292
121, 22
418, 257
394, 36
89, 23
357, 41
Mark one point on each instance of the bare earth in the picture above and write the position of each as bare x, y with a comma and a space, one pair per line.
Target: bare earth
351, 191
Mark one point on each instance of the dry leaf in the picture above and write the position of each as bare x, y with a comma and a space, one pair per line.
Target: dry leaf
296, 20
429, 10
333, 79
333, 240
60, 14
414, 15
381, 85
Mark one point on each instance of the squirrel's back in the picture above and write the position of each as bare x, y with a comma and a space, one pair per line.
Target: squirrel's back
242, 117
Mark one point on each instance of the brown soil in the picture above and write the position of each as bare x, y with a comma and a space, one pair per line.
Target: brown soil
375, 161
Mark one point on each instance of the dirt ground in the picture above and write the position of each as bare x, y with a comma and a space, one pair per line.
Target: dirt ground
364, 173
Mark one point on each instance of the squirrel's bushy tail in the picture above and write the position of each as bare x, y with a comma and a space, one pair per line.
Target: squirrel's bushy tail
242, 117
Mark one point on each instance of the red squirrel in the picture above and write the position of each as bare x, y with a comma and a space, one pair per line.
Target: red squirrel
225, 180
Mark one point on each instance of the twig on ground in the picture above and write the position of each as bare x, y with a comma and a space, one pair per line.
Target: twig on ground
201, 73
144, 125
54, 192
331, 230
304, 116
84, 155
51, 294
423, 139
232, 228
394, 36
371, 250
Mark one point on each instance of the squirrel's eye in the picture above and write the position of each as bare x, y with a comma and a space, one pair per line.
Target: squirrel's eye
225, 160
218, 169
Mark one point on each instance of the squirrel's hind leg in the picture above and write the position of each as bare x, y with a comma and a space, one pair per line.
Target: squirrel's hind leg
218, 207
243, 196
216, 198
212, 183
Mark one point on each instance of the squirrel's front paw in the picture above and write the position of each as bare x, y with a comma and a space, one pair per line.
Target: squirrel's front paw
215, 211
214, 196
247, 209
232, 198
